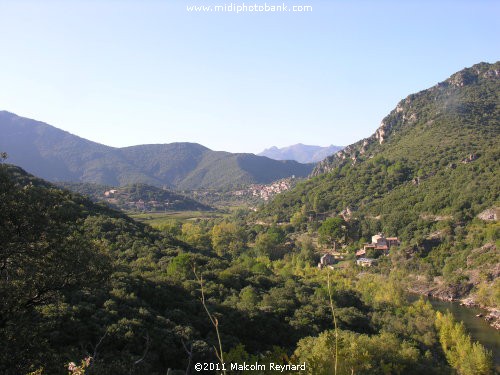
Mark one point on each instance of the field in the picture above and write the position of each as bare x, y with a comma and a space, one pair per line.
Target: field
156, 219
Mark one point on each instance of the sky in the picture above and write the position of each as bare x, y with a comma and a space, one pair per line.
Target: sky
125, 72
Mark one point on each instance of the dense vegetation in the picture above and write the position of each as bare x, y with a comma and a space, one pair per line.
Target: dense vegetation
80, 280
57, 155
424, 176
436, 153
136, 197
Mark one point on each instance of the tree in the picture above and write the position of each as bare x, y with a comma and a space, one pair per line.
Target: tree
195, 235
467, 357
227, 238
332, 231
248, 299
181, 266
270, 243
45, 255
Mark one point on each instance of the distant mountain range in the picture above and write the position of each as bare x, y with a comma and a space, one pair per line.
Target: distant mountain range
301, 153
57, 155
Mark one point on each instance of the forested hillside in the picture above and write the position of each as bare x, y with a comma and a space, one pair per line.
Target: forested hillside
428, 172
436, 154
82, 282
57, 156
136, 197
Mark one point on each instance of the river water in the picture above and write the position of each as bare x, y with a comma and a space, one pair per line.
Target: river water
478, 328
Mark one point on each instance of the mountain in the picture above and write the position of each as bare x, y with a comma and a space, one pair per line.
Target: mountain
57, 155
436, 152
463, 108
301, 153
429, 175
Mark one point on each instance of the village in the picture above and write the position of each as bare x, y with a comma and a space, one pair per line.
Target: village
267, 191
365, 257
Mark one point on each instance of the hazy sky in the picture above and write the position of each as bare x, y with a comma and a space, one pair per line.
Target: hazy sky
126, 72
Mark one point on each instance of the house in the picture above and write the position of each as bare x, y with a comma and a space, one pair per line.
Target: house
360, 253
392, 241
326, 260
140, 205
110, 192
379, 240
366, 262
379, 243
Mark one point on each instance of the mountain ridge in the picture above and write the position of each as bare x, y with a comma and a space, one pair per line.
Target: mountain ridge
404, 114
428, 175
435, 139
58, 155
300, 152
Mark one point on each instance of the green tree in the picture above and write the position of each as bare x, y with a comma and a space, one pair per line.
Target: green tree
270, 243
227, 238
44, 256
195, 235
467, 357
248, 299
333, 231
181, 266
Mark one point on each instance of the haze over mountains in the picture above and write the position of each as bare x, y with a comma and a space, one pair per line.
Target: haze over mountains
301, 153
57, 155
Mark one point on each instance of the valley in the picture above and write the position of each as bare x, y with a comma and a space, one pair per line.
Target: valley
141, 265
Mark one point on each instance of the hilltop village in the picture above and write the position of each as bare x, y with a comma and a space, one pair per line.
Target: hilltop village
266, 192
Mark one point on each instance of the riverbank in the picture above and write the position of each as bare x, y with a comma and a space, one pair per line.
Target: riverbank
478, 329
493, 315
456, 294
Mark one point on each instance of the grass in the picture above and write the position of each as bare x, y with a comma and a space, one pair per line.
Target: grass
156, 219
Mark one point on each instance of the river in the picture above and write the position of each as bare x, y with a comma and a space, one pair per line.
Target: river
478, 328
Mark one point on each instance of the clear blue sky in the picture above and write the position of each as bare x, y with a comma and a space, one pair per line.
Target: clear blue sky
126, 72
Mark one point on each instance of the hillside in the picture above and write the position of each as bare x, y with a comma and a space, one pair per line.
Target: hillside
429, 175
136, 197
437, 152
300, 152
89, 285
57, 155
